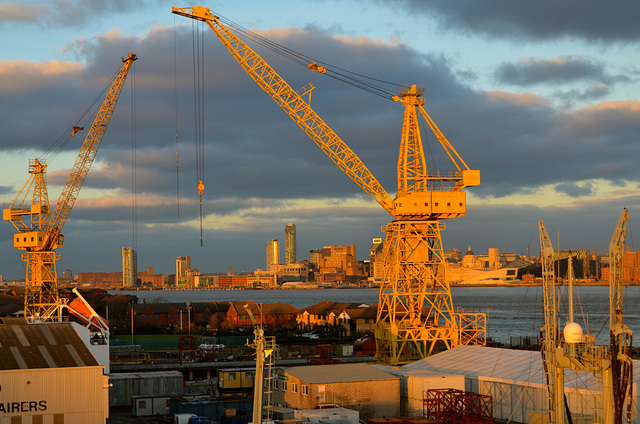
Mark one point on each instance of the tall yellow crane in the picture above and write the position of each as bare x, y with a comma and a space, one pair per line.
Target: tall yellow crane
39, 231
415, 312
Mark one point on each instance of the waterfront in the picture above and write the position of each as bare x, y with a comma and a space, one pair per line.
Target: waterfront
512, 311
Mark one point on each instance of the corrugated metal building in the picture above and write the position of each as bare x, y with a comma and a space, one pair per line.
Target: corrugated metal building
48, 375
516, 380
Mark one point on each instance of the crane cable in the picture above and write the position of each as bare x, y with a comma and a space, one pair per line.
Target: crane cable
175, 88
198, 99
354, 79
134, 163
81, 122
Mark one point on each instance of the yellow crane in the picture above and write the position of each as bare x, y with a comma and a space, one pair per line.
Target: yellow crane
415, 312
39, 231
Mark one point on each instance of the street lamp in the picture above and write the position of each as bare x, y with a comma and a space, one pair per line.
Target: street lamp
189, 318
132, 313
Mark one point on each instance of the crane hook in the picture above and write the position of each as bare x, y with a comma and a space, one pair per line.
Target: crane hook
200, 187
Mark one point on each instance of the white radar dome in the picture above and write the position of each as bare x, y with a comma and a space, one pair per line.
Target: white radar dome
573, 333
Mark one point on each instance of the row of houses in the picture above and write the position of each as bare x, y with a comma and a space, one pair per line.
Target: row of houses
352, 317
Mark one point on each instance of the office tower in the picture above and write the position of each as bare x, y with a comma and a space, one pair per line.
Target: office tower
376, 260
290, 255
183, 264
129, 267
273, 254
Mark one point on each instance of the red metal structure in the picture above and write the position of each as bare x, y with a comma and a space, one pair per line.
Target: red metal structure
458, 406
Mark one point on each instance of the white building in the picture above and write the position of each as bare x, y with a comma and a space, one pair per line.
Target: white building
48, 375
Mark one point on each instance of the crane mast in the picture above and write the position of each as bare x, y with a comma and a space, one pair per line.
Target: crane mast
415, 312
42, 234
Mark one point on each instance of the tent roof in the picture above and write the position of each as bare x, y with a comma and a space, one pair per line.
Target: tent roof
518, 366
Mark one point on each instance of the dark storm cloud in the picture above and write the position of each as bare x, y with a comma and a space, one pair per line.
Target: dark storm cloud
70, 13
555, 71
592, 92
575, 190
591, 20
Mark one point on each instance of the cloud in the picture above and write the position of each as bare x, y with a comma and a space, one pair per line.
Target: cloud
559, 70
20, 13
29, 77
575, 190
544, 20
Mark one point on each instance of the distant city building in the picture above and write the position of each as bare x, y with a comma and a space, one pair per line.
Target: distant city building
273, 254
290, 252
315, 257
293, 272
129, 267
337, 259
183, 265
67, 274
376, 260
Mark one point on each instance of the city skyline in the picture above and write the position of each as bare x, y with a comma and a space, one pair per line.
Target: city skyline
543, 102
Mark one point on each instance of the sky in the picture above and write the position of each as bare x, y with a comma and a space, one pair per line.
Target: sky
542, 98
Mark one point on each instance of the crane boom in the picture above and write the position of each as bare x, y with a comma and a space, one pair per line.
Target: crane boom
85, 158
294, 105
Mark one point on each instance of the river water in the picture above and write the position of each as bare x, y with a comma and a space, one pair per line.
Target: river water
513, 312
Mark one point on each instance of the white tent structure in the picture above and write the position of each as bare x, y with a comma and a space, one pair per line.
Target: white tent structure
516, 381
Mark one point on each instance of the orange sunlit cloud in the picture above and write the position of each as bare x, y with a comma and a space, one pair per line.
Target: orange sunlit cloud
522, 99
28, 77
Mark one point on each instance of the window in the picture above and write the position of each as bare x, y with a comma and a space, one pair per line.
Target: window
232, 376
294, 387
448, 203
275, 384
305, 389
248, 376
284, 386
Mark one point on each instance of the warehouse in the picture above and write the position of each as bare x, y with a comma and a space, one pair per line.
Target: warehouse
516, 381
47, 374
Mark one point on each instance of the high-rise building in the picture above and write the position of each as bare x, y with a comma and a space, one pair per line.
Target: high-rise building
183, 264
315, 258
376, 260
290, 255
129, 267
273, 254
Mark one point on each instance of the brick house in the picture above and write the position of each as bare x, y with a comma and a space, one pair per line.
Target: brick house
359, 320
323, 313
362, 387
212, 315
273, 314
163, 315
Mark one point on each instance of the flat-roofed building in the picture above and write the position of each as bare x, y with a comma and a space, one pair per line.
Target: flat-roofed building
358, 386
